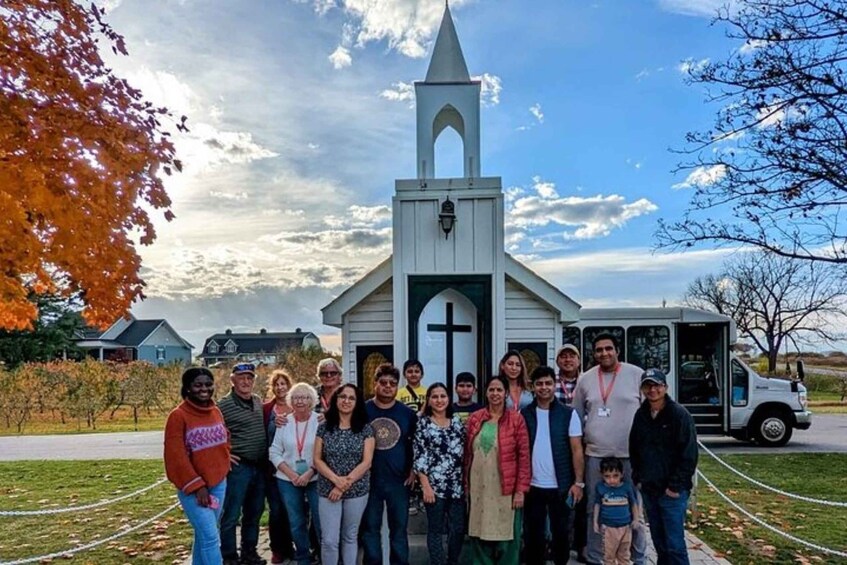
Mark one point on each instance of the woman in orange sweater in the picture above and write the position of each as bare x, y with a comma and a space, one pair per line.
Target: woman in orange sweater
197, 461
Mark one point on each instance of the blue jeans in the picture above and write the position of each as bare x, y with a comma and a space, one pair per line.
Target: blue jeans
245, 498
279, 528
666, 516
395, 498
301, 502
204, 520
445, 515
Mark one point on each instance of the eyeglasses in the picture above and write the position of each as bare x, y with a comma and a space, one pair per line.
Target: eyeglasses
602, 349
323, 374
300, 399
387, 382
244, 368
346, 397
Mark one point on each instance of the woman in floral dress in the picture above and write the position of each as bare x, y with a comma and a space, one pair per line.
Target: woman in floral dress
439, 445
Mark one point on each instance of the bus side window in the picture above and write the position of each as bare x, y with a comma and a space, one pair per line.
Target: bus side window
649, 347
740, 382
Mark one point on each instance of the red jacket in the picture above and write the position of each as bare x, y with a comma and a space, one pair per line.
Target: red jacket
513, 449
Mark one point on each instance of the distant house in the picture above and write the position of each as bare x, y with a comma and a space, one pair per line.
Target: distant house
154, 341
264, 346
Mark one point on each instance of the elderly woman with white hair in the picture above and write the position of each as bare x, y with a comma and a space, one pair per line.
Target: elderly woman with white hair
291, 454
329, 375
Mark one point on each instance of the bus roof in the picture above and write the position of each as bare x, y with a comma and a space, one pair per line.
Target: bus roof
667, 314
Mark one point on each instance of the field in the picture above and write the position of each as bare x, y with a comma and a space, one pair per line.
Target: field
41, 485
741, 541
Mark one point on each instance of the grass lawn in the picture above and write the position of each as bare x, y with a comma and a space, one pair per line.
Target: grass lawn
742, 541
31, 485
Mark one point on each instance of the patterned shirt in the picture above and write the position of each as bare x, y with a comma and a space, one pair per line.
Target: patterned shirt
564, 390
438, 455
342, 451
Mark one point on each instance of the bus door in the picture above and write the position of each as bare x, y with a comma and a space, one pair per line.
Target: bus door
702, 361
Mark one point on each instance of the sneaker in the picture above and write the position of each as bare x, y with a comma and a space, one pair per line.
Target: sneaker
277, 558
251, 558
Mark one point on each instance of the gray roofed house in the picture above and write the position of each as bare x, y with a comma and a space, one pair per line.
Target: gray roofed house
262, 346
154, 341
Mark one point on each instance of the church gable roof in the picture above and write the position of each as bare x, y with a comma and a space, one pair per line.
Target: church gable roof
364, 287
567, 308
448, 63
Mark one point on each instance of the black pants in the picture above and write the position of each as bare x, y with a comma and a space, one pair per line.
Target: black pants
540, 504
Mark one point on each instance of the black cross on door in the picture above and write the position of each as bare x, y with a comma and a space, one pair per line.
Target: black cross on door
449, 329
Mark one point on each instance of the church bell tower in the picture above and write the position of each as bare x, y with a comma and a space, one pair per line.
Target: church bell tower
448, 262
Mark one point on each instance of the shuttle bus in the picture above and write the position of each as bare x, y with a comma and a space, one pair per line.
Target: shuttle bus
693, 348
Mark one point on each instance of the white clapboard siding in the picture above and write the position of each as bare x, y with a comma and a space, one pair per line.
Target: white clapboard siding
370, 322
528, 319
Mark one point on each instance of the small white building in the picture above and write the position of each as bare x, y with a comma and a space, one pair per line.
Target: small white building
449, 295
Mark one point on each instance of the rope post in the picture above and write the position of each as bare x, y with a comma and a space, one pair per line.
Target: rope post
692, 500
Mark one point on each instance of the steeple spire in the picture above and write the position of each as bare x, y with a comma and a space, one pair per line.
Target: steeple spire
448, 63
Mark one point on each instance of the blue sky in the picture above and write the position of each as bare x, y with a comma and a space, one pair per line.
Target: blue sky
301, 119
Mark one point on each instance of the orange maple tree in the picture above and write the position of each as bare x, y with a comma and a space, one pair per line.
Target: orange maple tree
81, 158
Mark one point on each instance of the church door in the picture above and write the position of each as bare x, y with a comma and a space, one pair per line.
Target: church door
447, 337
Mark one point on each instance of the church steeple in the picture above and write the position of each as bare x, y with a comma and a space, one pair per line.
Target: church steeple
447, 98
448, 63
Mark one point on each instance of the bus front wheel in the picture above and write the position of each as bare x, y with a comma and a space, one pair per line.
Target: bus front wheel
771, 428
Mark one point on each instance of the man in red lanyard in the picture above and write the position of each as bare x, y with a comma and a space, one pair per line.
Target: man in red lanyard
607, 397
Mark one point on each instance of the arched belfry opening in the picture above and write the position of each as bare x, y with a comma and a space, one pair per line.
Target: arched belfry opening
448, 135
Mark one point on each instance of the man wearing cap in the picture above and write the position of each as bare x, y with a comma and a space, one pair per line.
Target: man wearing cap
607, 397
245, 490
567, 359
663, 453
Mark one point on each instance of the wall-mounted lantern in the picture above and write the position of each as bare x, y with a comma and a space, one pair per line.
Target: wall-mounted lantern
447, 217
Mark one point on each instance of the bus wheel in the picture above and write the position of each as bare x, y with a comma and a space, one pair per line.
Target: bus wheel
772, 428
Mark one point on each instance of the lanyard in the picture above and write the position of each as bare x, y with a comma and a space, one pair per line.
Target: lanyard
324, 403
606, 392
301, 439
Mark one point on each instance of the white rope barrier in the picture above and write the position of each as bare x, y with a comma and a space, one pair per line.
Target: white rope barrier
767, 526
79, 508
70, 552
770, 488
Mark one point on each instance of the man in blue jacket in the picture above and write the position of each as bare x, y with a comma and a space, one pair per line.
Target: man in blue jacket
555, 443
663, 454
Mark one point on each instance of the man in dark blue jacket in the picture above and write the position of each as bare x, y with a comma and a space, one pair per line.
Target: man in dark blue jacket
663, 453
555, 442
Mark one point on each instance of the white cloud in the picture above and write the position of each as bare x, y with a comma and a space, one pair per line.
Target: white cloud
751, 45
775, 114
353, 242
702, 176
407, 25
701, 8
313, 146
236, 196
642, 74
490, 88
690, 65
544, 188
360, 217
592, 217
340, 58
535, 110
400, 92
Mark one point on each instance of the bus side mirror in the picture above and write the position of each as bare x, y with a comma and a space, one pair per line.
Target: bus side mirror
801, 370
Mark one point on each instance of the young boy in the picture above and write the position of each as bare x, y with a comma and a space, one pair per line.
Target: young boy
413, 394
465, 390
616, 511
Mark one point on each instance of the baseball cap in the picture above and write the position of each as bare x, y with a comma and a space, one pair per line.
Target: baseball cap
568, 347
654, 376
244, 368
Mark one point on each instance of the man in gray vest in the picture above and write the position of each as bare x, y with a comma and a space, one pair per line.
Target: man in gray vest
245, 483
555, 443
607, 397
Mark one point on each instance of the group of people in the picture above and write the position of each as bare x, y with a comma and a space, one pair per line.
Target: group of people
550, 456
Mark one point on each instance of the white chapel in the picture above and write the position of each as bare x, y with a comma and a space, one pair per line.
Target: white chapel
449, 295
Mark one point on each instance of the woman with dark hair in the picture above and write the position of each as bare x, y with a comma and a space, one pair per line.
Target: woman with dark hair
439, 446
513, 369
197, 461
497, 475
343, 453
